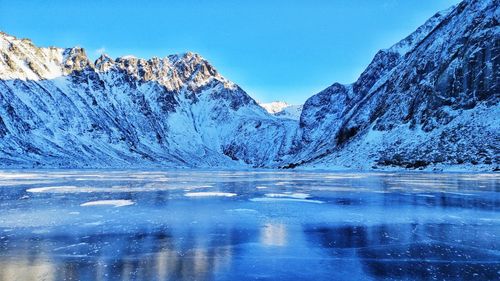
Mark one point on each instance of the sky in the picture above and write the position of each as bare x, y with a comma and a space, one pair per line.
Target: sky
284, 50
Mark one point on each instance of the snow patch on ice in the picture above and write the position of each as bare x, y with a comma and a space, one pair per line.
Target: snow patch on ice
281, 199
242, 210
51, 188
115, 203
288, 195
209, 194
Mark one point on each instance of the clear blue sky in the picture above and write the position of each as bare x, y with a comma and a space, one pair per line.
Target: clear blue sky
275, 50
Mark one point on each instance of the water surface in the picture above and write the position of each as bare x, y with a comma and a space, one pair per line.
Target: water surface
248, 225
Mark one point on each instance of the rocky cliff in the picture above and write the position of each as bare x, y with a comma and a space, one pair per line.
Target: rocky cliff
59, 109
431, 99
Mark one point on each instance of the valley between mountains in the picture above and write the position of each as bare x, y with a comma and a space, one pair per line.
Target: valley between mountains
431, 101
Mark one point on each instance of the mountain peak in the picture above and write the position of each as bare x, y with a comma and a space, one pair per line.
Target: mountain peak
21, 59
282, 109
173, 71
75, 59
416, 96
274, 106
103, 63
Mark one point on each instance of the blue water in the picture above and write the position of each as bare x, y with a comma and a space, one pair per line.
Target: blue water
248, 225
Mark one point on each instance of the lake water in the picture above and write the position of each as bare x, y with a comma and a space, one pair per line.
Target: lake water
248, 225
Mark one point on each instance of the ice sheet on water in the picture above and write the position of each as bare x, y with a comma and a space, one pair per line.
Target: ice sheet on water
221, 225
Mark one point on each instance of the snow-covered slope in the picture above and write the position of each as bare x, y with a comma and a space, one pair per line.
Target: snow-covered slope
57, 108
283, 110
430, 100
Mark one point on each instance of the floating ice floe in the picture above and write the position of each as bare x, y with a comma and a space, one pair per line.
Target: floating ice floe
282, 183
284, 199
51, 188
288, 195
242, 210
115, 203
110, 189
210, 194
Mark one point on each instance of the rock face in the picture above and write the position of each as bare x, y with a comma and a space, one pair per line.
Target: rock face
57, 108
430, 100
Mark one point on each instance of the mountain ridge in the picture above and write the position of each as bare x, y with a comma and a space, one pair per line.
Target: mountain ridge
429, 101
176, 111
415, 89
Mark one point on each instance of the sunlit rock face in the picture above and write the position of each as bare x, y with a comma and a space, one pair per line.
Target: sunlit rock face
57, 108
432, 98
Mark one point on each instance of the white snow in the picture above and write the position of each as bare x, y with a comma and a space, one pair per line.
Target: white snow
288, 195
115, 203
210, 194
275, 106
52, 189
274, 200
282, 109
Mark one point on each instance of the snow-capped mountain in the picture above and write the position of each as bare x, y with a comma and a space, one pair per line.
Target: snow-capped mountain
274, 107
57, 108
283, 110
431, 99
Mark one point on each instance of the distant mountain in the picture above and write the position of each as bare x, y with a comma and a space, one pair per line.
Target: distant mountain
59, 109
283, 110
430, 101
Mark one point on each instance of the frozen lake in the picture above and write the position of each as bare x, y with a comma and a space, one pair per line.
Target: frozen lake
248, 225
